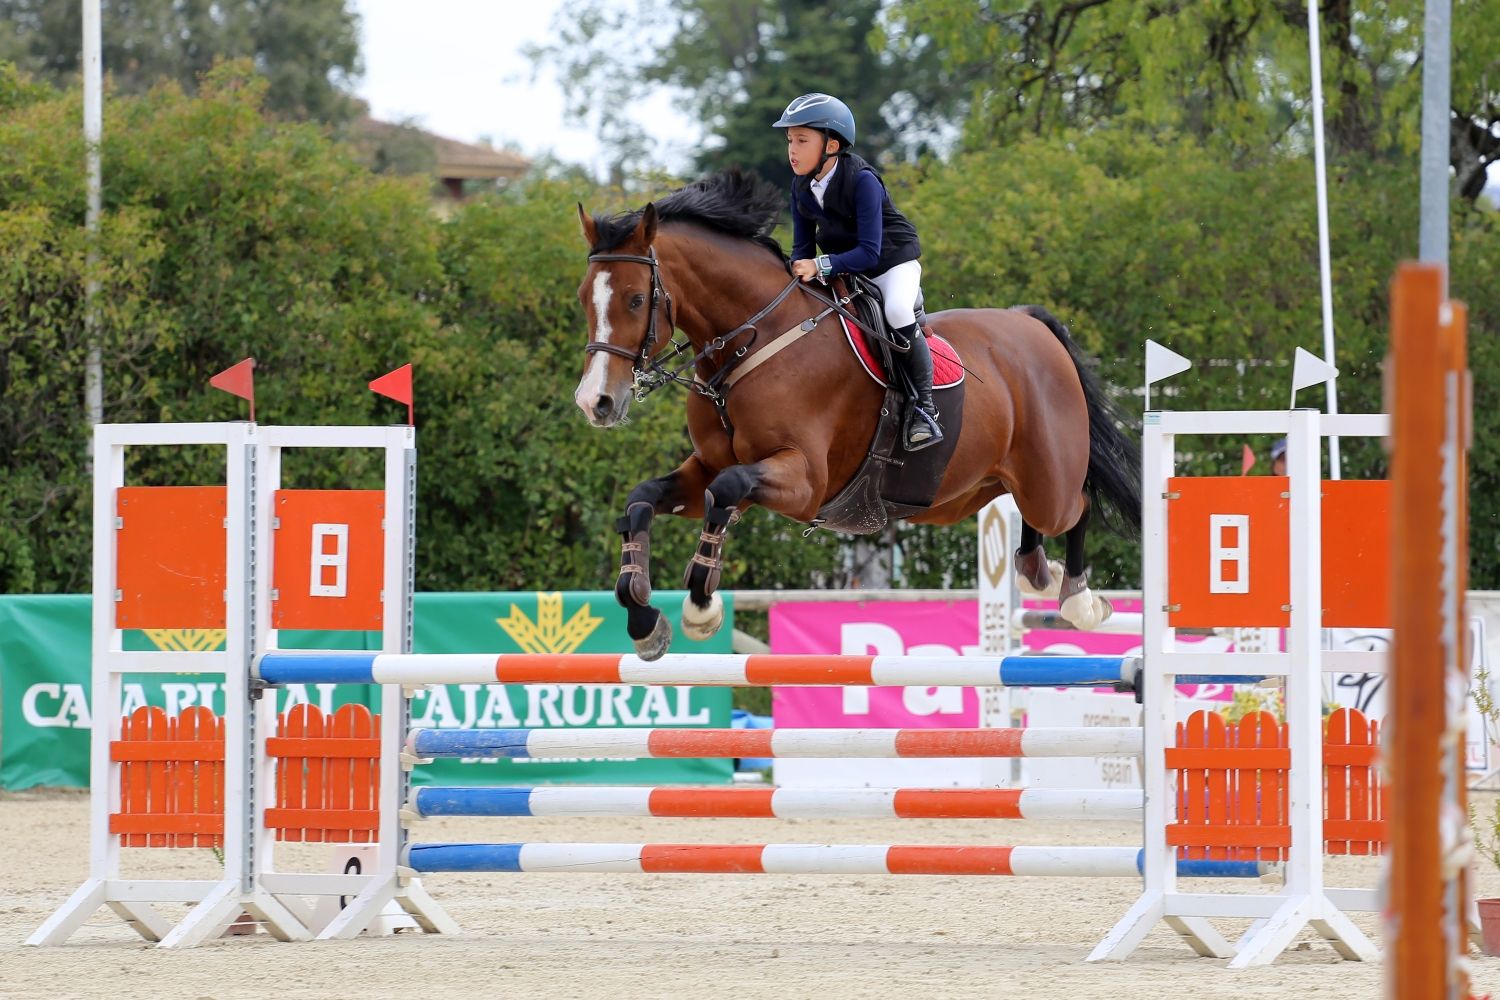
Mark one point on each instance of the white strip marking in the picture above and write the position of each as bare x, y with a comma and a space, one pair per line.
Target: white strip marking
565, 801
824, 859
581, 857
592, 384
726, 669
445, 668
1081, 741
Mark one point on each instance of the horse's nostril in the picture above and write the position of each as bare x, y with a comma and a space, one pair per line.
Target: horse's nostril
604, 406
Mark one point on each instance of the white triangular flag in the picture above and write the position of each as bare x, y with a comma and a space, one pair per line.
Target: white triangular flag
1163, 363
1308, 369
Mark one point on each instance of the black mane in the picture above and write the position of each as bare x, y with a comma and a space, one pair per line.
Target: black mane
731, 202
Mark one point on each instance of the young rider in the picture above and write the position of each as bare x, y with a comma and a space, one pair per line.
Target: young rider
840, 204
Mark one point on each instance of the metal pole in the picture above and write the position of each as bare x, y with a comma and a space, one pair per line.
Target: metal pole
1325, 270
93, 134
1436, 86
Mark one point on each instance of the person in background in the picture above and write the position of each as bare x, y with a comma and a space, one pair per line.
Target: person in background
1278, 457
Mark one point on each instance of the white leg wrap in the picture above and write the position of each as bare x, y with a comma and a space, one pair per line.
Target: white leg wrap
700, 624
1053, 589
1085, 610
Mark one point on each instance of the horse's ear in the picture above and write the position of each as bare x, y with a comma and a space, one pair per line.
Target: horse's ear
647, 228
590, 230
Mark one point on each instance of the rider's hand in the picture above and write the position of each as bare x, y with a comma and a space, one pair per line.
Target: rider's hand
807, 270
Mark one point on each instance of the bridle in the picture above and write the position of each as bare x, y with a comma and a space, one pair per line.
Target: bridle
653, 373
638, 358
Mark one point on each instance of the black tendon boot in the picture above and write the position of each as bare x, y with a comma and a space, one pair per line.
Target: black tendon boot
922, 430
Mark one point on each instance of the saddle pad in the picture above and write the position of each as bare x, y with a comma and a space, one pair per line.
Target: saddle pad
946, 370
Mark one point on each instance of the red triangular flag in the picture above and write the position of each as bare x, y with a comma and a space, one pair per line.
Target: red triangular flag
238, 380
397, 385
1247, 460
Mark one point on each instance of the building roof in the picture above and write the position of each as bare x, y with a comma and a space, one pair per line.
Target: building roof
459, 160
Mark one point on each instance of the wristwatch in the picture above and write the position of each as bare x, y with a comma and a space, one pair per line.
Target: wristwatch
825, 266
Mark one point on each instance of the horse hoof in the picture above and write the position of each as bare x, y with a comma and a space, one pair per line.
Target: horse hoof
1085, 610
658, 642
1051, 574
700, 623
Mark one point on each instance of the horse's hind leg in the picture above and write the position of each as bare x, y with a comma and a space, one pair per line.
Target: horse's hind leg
1082, 608
1036, 577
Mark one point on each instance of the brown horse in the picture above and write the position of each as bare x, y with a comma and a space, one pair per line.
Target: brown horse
1035, 422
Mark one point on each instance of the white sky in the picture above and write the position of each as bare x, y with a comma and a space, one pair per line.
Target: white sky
456, 67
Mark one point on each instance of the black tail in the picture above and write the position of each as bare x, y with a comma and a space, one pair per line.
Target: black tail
1114, 452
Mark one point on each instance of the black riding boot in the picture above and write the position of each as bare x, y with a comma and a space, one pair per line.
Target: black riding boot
922, 430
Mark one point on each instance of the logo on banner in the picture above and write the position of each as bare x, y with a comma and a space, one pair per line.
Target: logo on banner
994, 553
549, 633
185, 640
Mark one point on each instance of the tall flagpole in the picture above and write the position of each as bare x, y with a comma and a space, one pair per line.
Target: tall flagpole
93, 134
1325, 269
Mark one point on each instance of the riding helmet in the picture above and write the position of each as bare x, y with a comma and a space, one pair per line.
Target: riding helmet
820, 111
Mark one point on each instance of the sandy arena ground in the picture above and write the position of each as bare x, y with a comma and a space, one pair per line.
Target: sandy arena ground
667, 935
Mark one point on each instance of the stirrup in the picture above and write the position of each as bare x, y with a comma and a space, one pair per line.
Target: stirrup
922, 430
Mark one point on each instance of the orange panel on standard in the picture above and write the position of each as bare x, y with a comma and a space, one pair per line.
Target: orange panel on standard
329, 559
1228, 552
170, 558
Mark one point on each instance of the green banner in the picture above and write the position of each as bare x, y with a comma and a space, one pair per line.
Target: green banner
45, 685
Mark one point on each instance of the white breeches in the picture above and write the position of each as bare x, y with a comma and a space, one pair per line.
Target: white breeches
901, 286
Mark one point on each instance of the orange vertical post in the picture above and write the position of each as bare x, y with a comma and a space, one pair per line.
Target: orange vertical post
1427, 397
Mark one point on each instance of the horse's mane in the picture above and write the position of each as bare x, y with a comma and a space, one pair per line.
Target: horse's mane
731, 202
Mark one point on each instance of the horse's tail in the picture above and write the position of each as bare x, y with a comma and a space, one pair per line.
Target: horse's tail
1114, 475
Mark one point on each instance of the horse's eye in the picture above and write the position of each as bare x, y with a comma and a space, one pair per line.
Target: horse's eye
637, 300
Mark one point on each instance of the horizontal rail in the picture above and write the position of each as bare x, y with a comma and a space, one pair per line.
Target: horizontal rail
805, 859
702, 669
631, 744
778, 803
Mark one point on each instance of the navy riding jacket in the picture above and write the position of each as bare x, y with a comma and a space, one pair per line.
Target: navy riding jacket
857, 225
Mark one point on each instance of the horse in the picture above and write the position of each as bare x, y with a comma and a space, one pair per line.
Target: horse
1035, 421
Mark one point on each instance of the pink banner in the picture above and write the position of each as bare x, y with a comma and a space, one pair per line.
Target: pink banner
919, 628
886, 628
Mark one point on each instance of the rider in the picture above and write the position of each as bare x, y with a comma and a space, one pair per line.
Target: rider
840, 204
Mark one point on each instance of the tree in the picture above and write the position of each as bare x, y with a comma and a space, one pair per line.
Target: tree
737, 64
1235, 74
308, 50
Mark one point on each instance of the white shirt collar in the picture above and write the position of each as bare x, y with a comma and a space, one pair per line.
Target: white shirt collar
820, 186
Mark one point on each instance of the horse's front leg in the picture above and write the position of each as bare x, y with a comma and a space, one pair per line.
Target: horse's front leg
680, 492
781, 483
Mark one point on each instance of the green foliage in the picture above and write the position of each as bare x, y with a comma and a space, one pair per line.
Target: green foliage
1234, 74
222, 236
308, 50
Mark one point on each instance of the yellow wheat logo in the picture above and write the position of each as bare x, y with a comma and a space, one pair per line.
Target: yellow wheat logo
186, 640
549, 633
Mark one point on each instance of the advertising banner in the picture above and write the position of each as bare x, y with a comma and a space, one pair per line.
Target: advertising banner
887, 628
45, 681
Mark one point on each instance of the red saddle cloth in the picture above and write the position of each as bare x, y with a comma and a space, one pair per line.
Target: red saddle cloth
946, 370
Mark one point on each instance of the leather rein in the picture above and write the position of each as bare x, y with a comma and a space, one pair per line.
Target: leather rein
653, 373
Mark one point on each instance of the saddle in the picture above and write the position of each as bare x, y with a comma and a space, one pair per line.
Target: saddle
892, 483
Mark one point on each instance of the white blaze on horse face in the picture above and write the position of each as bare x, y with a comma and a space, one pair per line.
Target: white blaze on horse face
592, 385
